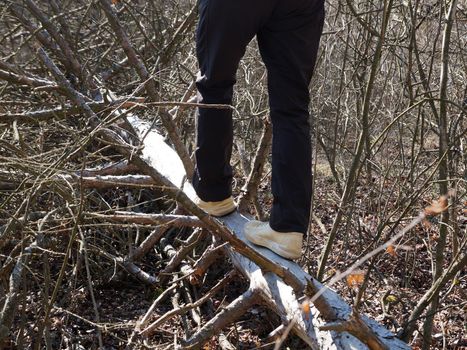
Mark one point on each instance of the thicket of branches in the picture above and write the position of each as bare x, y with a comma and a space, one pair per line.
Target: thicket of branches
389, 98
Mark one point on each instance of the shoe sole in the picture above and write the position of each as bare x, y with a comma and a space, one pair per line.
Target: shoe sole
221, 214
274, 247
219, 211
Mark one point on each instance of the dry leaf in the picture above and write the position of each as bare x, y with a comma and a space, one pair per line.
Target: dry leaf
306, 309
331, 272
391, 250
195, 277
356, 278
437, 207
426, 224
391, 298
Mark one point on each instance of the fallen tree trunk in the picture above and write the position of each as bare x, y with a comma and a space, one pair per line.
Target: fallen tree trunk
273, 291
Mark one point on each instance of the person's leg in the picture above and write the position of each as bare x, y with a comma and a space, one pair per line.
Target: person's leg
289, 44
225, 29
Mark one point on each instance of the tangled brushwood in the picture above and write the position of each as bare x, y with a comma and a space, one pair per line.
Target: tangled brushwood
101, 245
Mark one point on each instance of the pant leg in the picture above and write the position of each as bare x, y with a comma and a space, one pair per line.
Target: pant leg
225, 28
289, 44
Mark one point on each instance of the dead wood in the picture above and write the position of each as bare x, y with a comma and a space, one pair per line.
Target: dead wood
194, 312
42, 36
149, 84
458, 263
185, 270
11, 301
34, 117
275, 334
70, 53
144, 321
182, 29
115, 169
183, 309
20, 79
17, 221
275, 291
151, 240
11, 260
149, 219
210, 255
228, 314
250, 189
171, 252
69, 58
214, 225
325, 308
175, 300
185, 249
112, 181
224, 343
12, 181
138, 273
358, 329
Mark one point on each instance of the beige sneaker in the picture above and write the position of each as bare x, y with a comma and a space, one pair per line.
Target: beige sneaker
285, 244
220, 208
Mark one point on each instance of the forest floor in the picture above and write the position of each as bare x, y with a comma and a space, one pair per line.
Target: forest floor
398, 281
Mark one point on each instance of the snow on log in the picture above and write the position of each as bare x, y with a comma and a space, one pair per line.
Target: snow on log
276, 294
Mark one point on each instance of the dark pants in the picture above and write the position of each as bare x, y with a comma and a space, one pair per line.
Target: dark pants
288, 34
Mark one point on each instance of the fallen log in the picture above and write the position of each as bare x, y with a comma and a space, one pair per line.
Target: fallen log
272, 290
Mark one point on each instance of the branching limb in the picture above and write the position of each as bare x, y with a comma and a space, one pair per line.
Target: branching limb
458, 264
33, 117
144, 321
149, 219
112, 181
7, 313
71, 61
13, 180
216, 227
150, 85
167, 316
139, 273
359, 329
179, 294
16, 221
19, 79
364, 24
180, 32
177, 258
210, 255
147, 244
116, 169
250, 189
90, 285
42, 36
229, 314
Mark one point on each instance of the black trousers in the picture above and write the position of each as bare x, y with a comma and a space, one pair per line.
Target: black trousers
288, 34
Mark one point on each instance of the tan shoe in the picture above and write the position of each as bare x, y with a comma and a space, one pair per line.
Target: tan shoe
220, 208
285, 244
